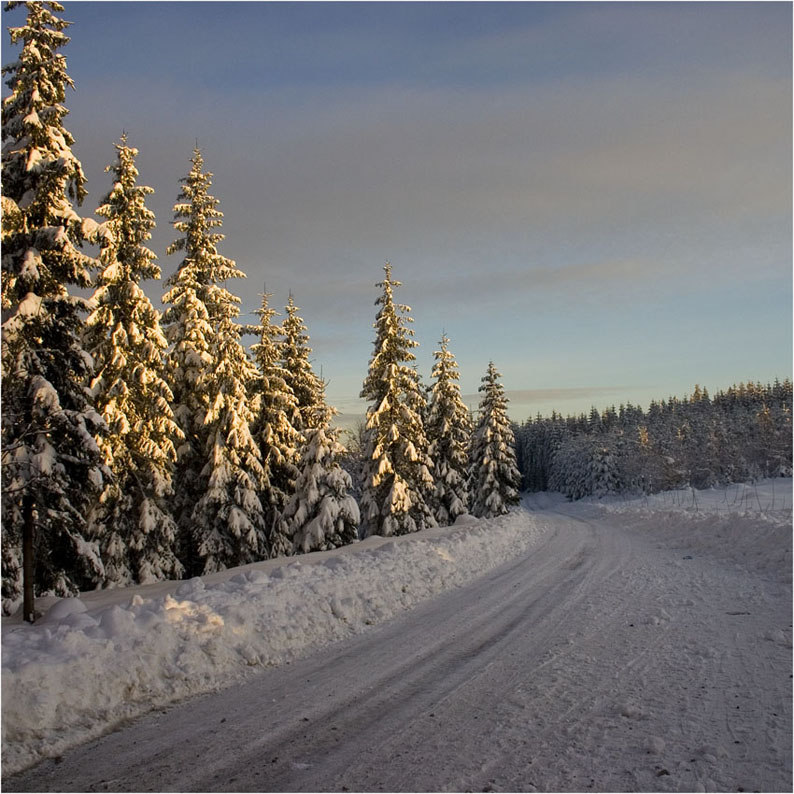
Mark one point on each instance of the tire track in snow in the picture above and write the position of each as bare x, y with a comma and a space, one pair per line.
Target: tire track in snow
371, 685
409, 686
694, 661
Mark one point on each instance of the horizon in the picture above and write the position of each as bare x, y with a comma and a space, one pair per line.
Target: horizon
347, 420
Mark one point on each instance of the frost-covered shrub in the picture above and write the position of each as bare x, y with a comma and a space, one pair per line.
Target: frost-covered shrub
449, 434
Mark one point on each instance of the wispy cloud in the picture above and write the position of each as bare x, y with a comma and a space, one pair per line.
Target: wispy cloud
521, 402
524, 397
557, 179
529, 395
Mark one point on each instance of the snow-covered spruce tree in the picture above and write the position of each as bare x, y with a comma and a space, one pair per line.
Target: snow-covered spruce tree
219, 469
52, 468
494, 478
604, 470
278, 440
309, 390
132, 520
321, 514
449, 433
398, 483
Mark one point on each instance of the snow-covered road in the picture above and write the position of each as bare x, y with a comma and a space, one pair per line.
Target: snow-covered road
615, 654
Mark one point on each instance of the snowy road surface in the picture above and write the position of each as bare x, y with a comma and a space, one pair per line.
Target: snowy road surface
615, 654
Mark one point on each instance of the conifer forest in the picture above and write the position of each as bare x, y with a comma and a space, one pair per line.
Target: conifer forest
141, 444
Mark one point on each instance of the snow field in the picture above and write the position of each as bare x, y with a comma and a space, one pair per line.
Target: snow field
771, 498
686, 648
747, 524
93, 662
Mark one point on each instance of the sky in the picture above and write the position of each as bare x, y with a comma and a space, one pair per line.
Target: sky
595, 196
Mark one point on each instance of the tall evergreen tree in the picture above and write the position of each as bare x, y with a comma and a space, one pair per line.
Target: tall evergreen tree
320, 512
219, 472
132, 520
494, 479
398, 482
52, 467
278, 439
309, 390
449, 432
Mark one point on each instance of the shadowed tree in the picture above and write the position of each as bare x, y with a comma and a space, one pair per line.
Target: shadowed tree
449, 432
52, 467
494, 479
274, 431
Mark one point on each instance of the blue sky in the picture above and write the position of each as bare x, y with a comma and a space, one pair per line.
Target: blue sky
596, 196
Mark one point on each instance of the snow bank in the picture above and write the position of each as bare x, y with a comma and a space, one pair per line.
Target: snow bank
766, 497
744, 524
93, 662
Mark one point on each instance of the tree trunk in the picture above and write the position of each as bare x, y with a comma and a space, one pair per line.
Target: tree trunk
28, 567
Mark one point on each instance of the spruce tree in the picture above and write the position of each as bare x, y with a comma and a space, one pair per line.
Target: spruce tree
278, 439
52, 467
309, 390
449, 434
219, 471
132, 520
494, 479
322, 514
398, 482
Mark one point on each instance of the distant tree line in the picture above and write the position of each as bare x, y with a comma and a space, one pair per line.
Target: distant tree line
139, 445
740, 434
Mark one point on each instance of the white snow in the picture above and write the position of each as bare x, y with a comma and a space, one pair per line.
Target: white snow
30, 305
748, 524
632, 645
111, 655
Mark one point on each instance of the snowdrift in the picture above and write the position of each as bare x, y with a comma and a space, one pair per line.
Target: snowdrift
93, 662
